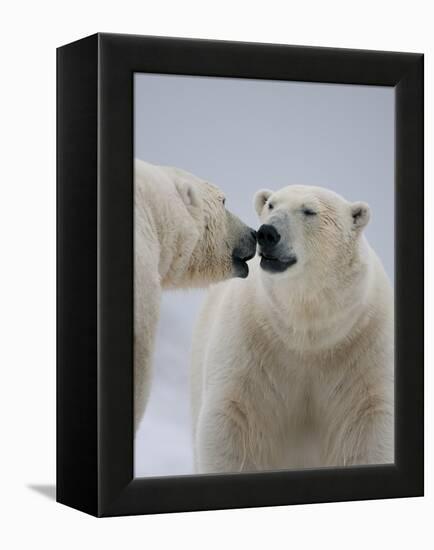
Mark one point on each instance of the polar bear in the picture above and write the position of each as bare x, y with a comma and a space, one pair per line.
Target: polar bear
293, 367
183, 237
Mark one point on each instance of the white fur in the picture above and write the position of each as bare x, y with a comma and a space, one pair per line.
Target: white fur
295, 369
183, 237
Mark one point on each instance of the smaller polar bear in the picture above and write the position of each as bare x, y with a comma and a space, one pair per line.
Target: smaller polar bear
293, 367
183, 237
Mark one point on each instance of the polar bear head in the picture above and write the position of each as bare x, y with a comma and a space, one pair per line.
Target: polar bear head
308, 232
221, 243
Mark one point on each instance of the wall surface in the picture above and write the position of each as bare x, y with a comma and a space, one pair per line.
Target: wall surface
30, 33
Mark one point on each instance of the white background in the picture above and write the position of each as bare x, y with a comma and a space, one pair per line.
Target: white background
30, 32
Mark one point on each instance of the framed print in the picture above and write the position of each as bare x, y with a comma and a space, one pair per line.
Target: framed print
240, 275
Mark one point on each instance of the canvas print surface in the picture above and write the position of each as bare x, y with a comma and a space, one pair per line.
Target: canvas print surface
263, 276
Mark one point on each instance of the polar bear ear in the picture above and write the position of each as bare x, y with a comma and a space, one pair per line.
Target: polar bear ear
260, 199
361, 214
187, 192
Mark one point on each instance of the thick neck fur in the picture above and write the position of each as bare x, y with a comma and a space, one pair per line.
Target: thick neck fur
313, 315
173, 236
187, 259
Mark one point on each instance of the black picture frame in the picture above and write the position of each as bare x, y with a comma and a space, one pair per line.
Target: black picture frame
95, 274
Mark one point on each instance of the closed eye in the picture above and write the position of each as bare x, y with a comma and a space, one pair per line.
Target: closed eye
224, 201
309, 212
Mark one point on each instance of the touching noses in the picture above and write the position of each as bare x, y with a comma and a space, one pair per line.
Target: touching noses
267, 237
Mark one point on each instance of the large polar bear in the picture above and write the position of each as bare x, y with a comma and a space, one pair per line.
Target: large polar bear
293, 367
183, 237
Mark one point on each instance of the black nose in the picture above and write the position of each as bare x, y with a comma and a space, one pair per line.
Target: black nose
267, 236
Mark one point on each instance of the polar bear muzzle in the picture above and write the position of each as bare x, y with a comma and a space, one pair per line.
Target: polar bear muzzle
272, 257
241, 240
243, 252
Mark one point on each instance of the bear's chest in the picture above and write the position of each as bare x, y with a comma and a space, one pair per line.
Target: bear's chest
300, 385
293, 394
